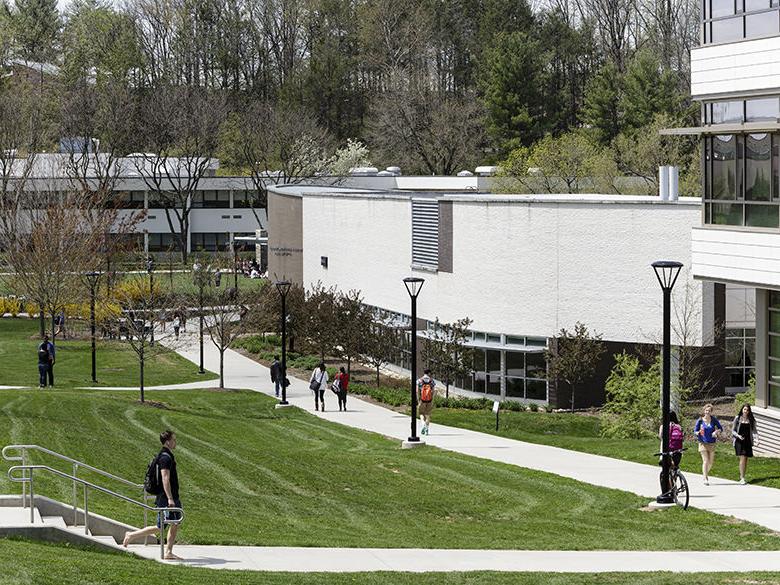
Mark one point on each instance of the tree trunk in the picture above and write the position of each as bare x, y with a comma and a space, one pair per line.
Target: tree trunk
377, 376
349, 368
221, 368
572, 397
42, 319
141, 362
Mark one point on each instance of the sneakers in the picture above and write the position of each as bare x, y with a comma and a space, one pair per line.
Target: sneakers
742, 481
424, 430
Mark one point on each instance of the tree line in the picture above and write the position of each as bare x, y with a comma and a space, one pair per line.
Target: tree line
433, 86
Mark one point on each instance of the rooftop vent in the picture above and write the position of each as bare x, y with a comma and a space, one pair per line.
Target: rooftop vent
487, 171
465, 174
364, 172
395, 170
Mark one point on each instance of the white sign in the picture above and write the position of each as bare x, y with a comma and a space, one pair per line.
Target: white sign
495, 407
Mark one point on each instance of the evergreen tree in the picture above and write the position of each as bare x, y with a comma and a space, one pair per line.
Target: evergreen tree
648, 91
36, 26
602, 102
512, 90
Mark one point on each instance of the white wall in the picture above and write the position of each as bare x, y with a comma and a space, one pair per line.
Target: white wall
526, 268
750, 258
735, 67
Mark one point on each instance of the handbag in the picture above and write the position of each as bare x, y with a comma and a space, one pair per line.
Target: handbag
314, 385
336, 386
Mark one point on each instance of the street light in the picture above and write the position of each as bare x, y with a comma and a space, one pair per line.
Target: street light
283, 286
92, 279
201, 278
413, 286
666, 271
150, 270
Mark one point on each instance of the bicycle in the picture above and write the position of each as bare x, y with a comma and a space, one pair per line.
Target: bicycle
679, 485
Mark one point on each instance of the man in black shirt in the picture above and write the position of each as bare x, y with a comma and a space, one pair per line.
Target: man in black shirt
167, 498
46, 362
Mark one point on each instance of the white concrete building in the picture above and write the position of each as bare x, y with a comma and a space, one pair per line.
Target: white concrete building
735, 75
520, 266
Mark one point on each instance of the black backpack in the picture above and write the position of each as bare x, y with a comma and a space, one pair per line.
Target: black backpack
152, 479
43, 354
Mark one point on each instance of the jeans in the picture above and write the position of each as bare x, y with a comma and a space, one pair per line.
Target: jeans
277, 386
50, 372
43, 370
342, 399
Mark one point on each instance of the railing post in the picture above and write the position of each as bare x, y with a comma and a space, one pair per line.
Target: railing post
86, 509
161, 524
24, 473
146, 517
32, 499
75, 495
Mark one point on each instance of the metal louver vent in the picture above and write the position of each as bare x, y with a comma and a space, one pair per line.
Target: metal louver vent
425, 232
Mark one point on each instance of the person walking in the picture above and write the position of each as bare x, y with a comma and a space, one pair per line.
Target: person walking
707, 430
676, 437
167, 498
744, 435
318, 383
340, 387
426, 389
45, 362
176, 326
276, 375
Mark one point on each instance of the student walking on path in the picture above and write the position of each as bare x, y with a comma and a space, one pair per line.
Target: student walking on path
45, 362
340, 387
276, 375
707, 430
426, 389
318, 383
168, 497
744, 434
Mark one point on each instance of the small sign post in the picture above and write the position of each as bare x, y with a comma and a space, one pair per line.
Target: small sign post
495, 409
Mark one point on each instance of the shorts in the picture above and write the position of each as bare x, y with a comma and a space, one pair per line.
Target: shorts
425, 408
169, 516
709, 447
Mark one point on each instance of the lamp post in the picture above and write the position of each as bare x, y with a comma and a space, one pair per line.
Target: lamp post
666, 271
92, 279
201, 277
283, 286
150, 270
413, 286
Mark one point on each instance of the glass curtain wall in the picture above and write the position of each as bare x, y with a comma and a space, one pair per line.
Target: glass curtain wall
726, 21
773, 367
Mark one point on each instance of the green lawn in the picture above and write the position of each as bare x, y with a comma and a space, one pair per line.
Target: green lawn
252, 474
46, 564
581, 433
117, 364
182, 282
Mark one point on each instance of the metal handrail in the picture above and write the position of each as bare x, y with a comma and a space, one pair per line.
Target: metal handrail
24, 448
24, 479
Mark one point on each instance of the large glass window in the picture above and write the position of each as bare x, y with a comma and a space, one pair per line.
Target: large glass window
211, 199
773, 365
725, 21
726, 112
742, 180
210, 242
763, 109
161, 242
740, 357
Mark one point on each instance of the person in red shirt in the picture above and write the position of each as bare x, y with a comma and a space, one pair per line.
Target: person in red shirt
343, 385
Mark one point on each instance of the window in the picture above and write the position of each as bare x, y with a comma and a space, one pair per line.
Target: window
211, 199
242, 199
762, 110
725, 21
773, 367
161, 242
130, 199
742, 180
729, 112
210, 242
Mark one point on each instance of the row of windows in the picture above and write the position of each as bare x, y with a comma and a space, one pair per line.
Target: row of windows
742, 180
725, 21
740, 111
208, 199
523, 374
774, 349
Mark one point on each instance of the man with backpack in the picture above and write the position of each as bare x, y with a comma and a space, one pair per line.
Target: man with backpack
426, 389
276, 374
162, 480
46, 362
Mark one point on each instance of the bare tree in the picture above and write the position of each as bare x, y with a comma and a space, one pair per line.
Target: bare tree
353, 320
379, 344
573, 357
445, 352
180, 127
224, 320
321, 319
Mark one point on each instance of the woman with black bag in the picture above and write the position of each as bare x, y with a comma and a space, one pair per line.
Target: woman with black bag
318, 383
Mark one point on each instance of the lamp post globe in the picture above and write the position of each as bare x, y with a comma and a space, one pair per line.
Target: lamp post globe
283, 287
667, 272
413, 286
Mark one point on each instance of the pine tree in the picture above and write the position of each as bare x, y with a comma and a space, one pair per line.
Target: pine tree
648, 91
36, 26
602, 102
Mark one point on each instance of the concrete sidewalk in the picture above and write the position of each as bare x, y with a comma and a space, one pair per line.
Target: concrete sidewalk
760, 505
351, 560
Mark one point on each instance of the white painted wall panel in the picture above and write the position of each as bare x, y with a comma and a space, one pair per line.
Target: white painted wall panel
735, 67
736, 256
518, 267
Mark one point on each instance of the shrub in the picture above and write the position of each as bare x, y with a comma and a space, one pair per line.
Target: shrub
748, 397
632, 409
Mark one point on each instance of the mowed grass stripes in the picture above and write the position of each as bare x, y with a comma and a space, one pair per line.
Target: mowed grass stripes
254, 475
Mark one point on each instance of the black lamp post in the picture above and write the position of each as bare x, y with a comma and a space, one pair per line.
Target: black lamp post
92, 279
201, 277
150, 270
283, 286
413, 286
667, 272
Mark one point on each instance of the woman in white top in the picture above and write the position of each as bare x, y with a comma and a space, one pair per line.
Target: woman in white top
318, 384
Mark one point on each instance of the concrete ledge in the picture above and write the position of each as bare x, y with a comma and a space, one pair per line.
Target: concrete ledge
412, 444
53, 534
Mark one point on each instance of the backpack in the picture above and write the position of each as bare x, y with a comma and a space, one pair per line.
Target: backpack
43, 353
675, 437
152, 479
426, 391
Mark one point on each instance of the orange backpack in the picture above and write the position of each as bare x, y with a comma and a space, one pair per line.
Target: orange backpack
426, 391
